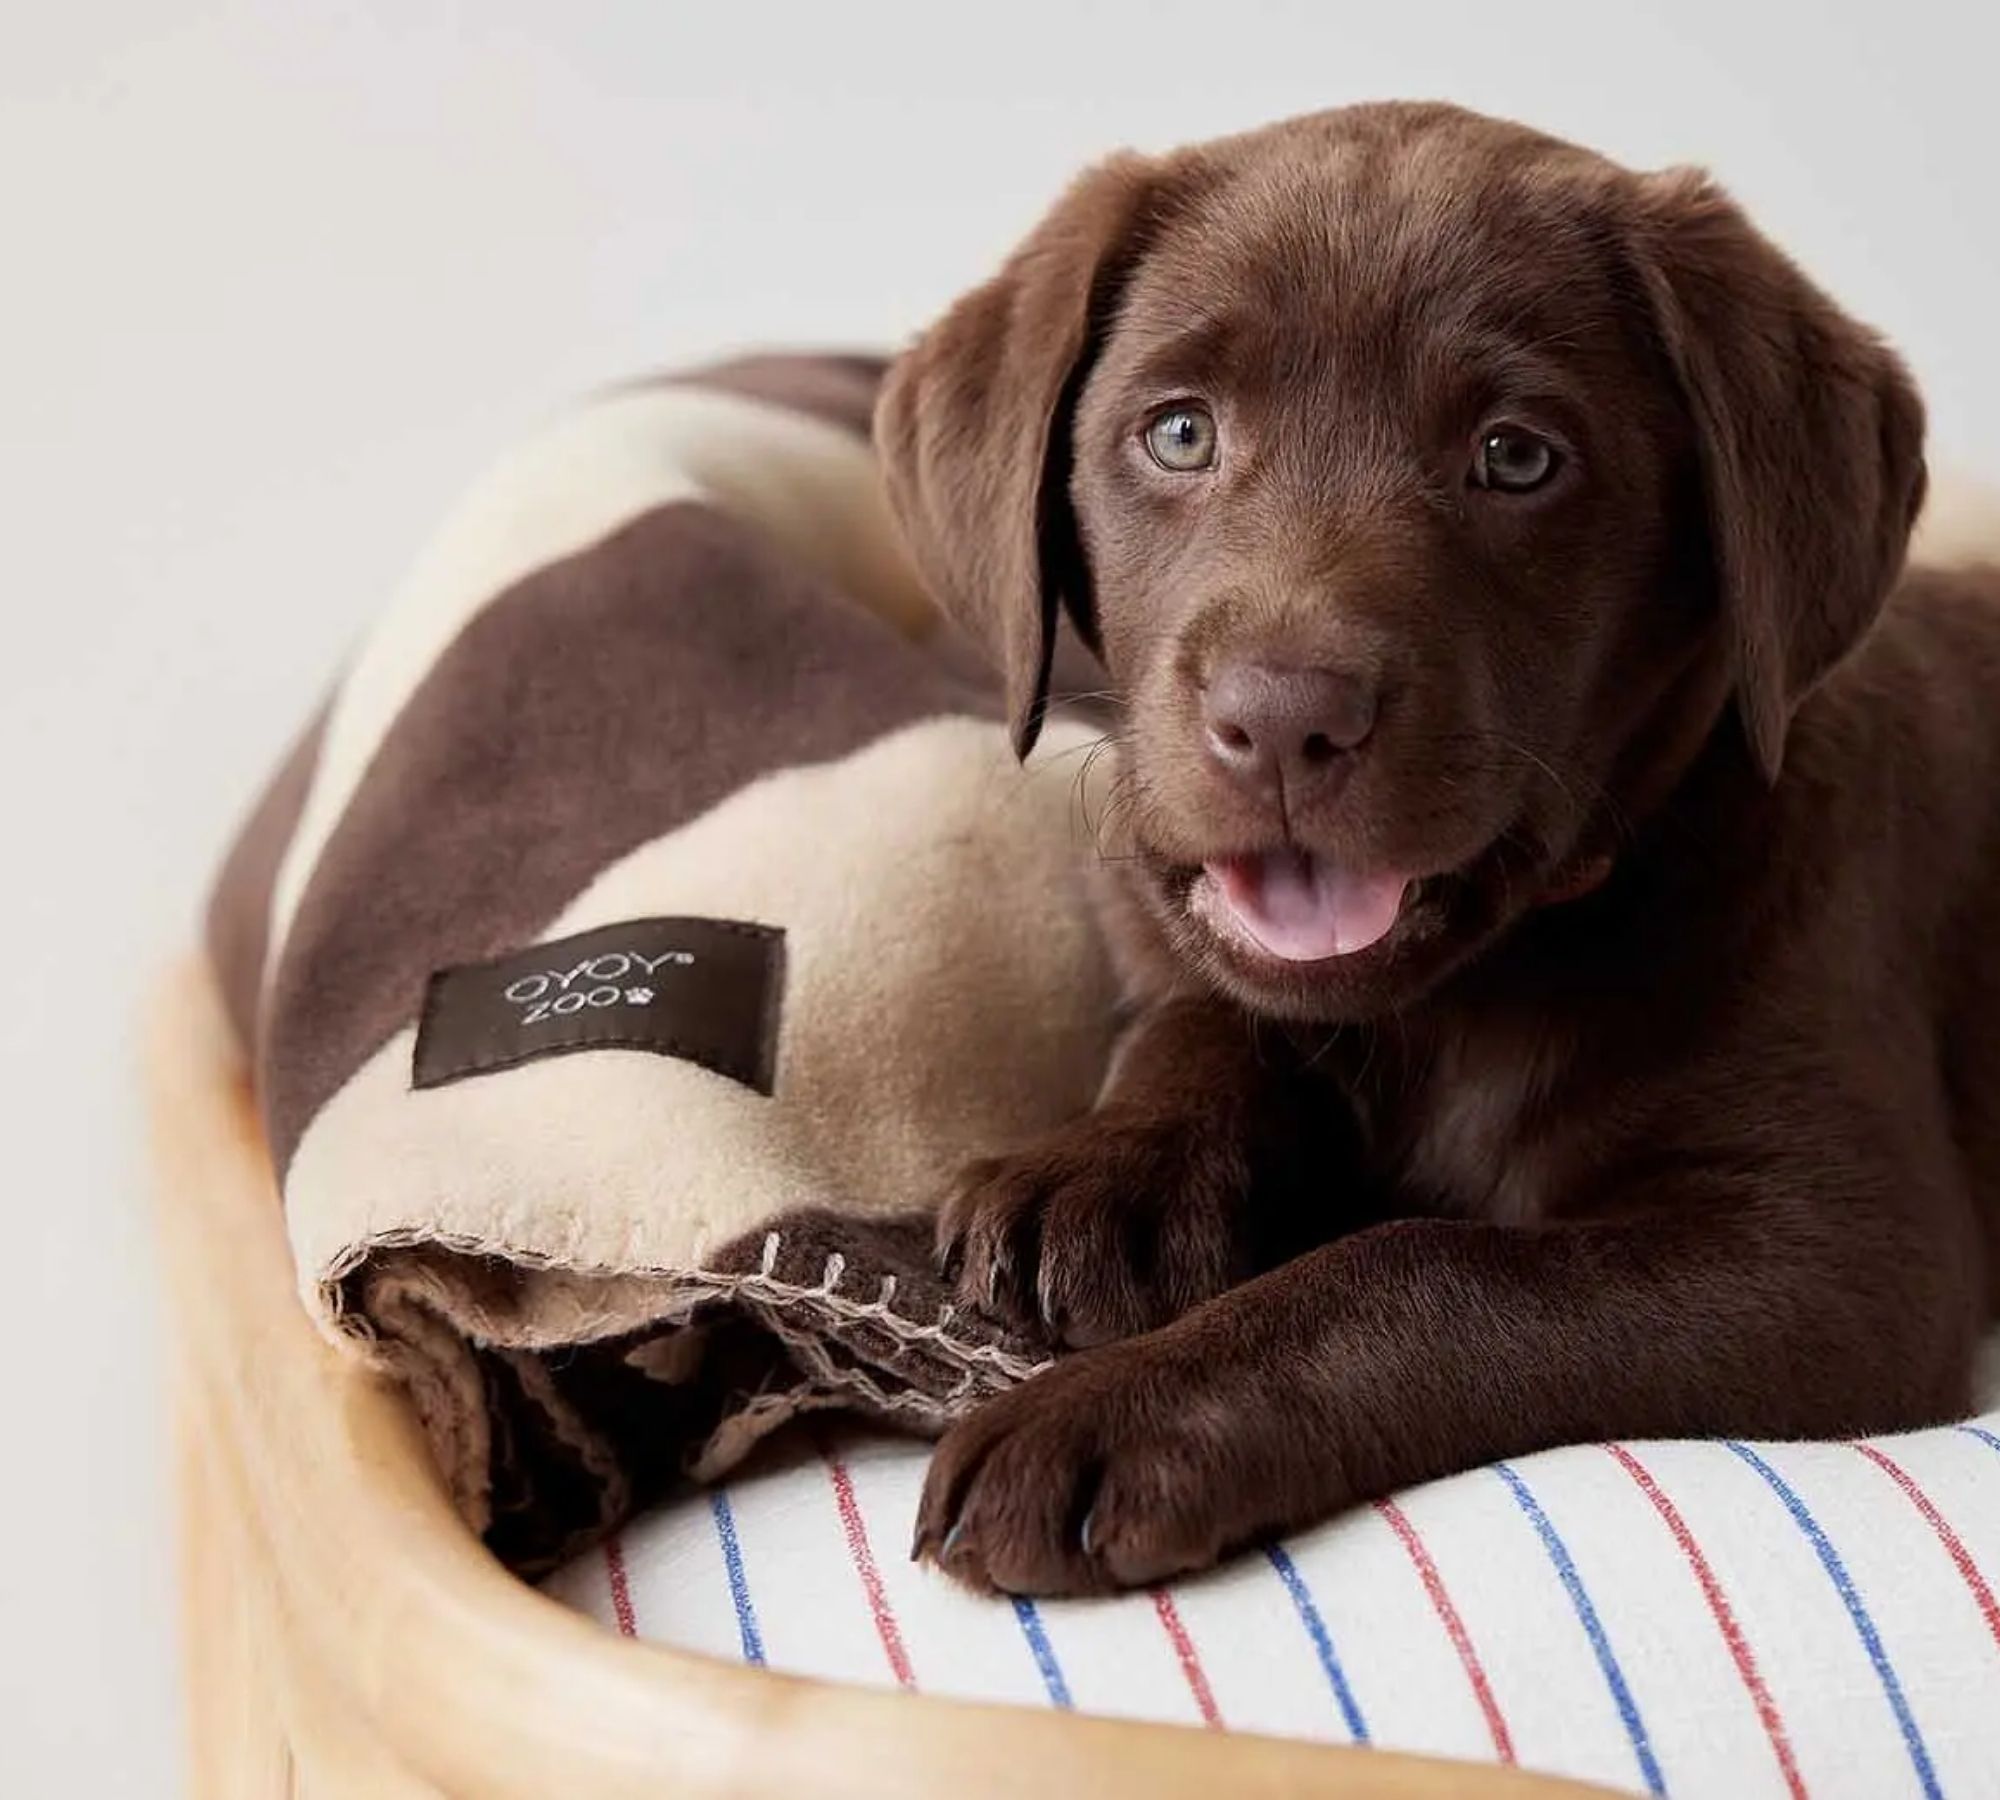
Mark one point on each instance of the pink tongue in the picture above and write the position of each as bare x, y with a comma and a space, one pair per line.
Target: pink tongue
1300, 908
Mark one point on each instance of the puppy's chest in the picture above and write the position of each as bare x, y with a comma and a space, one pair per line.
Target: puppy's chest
1480, 1123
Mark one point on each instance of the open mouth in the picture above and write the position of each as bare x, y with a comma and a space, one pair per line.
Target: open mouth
1296, 905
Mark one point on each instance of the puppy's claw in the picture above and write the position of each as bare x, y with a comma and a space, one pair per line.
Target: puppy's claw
951, 1538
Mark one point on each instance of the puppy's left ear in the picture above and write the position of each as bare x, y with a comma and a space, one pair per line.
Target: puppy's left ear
973, 429
1811, 443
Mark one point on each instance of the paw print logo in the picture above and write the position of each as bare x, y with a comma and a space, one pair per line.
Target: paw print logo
639, 996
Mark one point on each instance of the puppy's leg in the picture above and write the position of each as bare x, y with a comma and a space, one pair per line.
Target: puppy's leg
1212, 1154
1423, 1347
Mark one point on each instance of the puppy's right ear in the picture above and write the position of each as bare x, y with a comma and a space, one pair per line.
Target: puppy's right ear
973, 426
1811, 440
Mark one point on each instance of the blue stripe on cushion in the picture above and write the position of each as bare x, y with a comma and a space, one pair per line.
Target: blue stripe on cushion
1322, 1640
1593, 1628
1042, 1650
1871, 1641
1982, 1434
739, 1581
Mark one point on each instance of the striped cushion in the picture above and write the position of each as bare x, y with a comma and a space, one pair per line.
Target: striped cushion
1690, 1618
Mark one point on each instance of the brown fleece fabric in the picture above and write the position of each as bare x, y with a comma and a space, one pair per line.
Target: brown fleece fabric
467, 833
631, 769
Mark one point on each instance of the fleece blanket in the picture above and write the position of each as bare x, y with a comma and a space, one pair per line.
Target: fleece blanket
648, 926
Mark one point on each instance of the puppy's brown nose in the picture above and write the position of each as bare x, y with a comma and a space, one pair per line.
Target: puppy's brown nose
1274, 726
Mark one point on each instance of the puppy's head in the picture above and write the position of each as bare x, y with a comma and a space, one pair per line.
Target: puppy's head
1427, 487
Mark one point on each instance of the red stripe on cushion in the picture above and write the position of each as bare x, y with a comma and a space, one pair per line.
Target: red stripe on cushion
1723, 1614
1454, 1627
1190, 1660
1954, 1546
856, 1530
621, 1587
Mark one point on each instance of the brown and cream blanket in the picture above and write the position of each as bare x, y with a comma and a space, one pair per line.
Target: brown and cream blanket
626, 957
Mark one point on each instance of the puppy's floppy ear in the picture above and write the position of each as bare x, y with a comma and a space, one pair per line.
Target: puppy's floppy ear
1811, 443
973, 428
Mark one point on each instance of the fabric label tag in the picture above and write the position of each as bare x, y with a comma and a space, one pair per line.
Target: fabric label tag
705, 990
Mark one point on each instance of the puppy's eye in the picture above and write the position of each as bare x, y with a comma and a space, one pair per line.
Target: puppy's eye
1513, 461
1182, 438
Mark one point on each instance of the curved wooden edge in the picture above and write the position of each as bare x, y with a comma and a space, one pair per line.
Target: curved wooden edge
388, 1638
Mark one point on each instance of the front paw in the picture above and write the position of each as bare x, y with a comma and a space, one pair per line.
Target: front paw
1113, 1226
1109, 1471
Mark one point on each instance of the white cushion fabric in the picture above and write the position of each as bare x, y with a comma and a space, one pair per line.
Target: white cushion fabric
1689, 1618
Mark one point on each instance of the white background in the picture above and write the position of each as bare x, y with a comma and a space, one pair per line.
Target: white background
273, 281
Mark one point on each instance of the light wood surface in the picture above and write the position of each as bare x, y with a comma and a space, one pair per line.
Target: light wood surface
346, 1635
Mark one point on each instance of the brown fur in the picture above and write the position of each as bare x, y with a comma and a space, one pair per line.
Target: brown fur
1671, 1105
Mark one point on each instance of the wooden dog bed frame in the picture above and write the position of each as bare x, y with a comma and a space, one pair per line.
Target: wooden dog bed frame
345, 1634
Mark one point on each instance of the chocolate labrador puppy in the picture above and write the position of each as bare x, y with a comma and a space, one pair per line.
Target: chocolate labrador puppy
1555, 851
